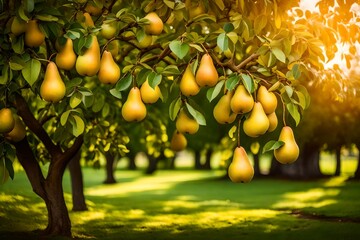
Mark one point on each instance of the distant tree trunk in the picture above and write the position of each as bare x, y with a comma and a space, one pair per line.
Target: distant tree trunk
197, 159
357, 172
256, 165
207, 164
275, 168
338, 161
132, 165
152, 166
110, 168
77, 184
172, 162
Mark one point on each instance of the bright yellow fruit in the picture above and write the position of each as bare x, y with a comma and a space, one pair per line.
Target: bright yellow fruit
240, 169
66, 58
88, 20
267, 99
156, 26
242, 101
7, 121
109, 72
34, 37
222, 111
185, 124
149, 94
18, 26
178, 141
289, 152
273, 121
134, 109
206, 75
188, 85
52, 89
88, 64
257, 123
18, 133
92, 9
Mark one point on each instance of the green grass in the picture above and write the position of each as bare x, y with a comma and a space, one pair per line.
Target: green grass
189, 205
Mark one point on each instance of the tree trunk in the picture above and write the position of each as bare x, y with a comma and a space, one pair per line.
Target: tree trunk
77, 184
110, 168
197, 159
207, 164
132, 164
338, 161
152, 166
357, 172
275, 168
256, 165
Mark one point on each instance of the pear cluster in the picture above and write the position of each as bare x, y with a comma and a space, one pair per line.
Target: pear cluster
11, 126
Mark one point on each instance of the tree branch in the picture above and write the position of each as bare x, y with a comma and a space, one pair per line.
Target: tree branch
247, 60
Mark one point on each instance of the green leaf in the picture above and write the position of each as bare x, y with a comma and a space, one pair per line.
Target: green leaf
272, 145
75, 99
9, 167
294, 112
196, 114
170, 4
105, 111
259, 23
46, 18
213, 92
179, 49
17, 44
124, 83
31, 71
116, 93
79, 126
174, 108
64, 117
220, 4
228, 27
98, 104
232, 81
289, 91
248, 83
154, 80
301, 99
29, 5
296, 71
279, 54
223, 41
4, 78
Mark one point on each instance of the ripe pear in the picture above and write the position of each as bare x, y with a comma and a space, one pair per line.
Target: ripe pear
188, 85
242, 101
206, 75
88, 64
288, 152
52, 89
257, 123
240, 169
18, 26
134, 109
88, 20
34, 37
222, 111
185, 124
178, 141
149, 94
66, 57
108, 30
7, 121
267, 99
92, 9
156, 25
273, 121
109, 72
18, 133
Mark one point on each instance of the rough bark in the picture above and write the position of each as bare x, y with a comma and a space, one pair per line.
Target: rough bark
256, 165
152, 166
131, 156
197, 159
338, 161
207, 164
77, 184
110, 168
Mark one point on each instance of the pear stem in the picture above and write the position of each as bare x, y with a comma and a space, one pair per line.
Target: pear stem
283, 106
238, 132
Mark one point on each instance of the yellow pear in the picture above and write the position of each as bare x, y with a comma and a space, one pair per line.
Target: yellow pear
288, 152
66, 57
149, 94
52, 89
7, 121
88, 64
18, 133
188, 85
92, 9
134, 109
178, 141
18, 26
222, 111
156, 26
242, 101
88, 20
108, 30
206, 75
109, 72
257, 123
273, 121
240, 169
267, 99
185, 124
34, 37
146, 41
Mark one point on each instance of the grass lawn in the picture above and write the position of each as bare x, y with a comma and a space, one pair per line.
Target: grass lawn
191, 205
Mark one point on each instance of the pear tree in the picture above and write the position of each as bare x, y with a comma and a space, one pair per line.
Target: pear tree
174, 49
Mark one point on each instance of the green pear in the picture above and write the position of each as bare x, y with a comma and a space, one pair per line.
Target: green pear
18, 26
289, 152
273, 121
134, 109
18, 133
240, 169
66, 57
206, 75
7, 121
156, 26
108, 30
178, 141
222, 111
146, 41
149, 94
267, 99
257, 123
34, 37
109, 72
185, 124
52, 89
88, 64
188, 85
242, 101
